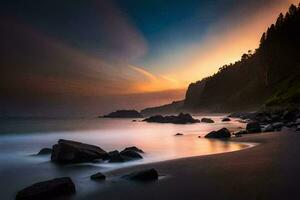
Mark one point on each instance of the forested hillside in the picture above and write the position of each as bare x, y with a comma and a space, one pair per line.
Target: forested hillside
269, 76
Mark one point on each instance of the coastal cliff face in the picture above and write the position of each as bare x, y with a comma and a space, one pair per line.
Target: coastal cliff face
270, 76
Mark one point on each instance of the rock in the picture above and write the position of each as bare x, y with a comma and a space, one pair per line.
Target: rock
180, 119
268, 128
144, 175
298, 128
67, 151
98, 177
226, 119
130, 155
297, 122
48, 189
207, 120
124, 114
134, 148
45, 151
115, 156
222, 133
253, 127
178, 134
290, 115
277, 125
239, 133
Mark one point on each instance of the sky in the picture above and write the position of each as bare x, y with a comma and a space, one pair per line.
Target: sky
83, 58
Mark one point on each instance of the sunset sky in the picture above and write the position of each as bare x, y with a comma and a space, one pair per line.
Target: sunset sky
89, 57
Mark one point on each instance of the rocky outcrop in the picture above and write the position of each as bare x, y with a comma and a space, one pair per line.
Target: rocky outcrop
226, 119
222, 133
174, 107
130, 155
67, 151
124, 114
179, 119
127, 154
98, 177
115, 157
268, 128
134, 148
144, 175
207, 120
253, 127
54, 188
45, 151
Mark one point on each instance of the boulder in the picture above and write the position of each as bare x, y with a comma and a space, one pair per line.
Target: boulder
222, 133
67, 151
253, 127
54, 188
115, 156
98, 177
239, 133
134, 148
278, 125
297, 122
45, 151
124, 114
268, 128
144, 175
130, 155
178, 134
207, 120
226, 119
179, 119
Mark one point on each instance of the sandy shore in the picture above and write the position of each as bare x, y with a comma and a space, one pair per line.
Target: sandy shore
270, 170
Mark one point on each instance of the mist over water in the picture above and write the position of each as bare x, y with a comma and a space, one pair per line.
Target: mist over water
20, 139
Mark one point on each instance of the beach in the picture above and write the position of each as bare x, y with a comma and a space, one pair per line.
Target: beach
269, 170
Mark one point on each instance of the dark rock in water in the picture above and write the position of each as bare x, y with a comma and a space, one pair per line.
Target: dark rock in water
134, 148
54, 188
222, 133
98, 177
180, 119
207, 120
277, 125
67, 151
268, 128
130, 155
178, 134
124, 114
115, 156
144, 175
239, 133
253, 127
45, 151
226, 119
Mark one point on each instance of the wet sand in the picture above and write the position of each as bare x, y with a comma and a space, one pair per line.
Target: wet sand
270, 170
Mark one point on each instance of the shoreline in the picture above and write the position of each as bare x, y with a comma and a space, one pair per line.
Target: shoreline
265, 171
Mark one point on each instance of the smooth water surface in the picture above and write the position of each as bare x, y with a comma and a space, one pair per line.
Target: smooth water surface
20, 139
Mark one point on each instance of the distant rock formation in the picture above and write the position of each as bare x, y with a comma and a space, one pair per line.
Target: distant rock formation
124, 114
179, 119
174, 107
207, 120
